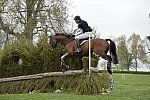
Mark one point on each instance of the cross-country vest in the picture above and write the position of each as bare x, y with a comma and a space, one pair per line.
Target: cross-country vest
84, 26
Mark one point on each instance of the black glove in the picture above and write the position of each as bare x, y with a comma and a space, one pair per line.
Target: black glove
72, 35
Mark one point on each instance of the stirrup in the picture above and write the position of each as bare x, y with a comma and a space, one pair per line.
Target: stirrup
78, 50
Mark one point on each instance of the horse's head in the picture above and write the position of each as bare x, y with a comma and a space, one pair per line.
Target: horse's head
58, 38
52, 43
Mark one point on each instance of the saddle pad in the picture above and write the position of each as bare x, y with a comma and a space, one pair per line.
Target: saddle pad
82, 41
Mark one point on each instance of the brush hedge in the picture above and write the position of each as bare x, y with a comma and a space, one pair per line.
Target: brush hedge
78, 84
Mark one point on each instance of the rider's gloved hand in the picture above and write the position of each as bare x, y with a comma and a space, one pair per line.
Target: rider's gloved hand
72, 35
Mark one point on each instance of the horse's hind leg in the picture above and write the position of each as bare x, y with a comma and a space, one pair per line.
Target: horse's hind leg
109, 65
109, 60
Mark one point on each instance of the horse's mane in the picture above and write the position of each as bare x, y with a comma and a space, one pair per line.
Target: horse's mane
67, 35
61, 34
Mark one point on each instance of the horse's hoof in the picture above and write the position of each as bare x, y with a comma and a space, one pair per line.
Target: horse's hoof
63, 70
67, 67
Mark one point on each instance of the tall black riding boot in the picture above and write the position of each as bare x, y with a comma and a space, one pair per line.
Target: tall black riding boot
78, 46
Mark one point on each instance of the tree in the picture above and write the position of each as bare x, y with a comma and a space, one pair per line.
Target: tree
123, 53
136, 48
29, 17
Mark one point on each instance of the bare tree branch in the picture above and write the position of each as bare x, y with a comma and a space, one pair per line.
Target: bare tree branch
5, 28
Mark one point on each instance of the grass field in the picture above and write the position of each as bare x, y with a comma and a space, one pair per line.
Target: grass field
127, 87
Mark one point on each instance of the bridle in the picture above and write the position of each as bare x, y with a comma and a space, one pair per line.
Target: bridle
52, 44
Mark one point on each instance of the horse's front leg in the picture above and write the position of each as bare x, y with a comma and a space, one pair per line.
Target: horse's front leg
62, 64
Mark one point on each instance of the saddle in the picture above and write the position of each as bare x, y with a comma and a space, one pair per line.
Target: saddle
82, 41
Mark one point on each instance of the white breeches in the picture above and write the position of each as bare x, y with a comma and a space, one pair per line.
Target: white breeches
83, 35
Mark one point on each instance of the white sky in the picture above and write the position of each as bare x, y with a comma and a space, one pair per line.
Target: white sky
114, 18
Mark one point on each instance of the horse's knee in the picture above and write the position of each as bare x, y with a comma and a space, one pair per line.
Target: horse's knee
63, 57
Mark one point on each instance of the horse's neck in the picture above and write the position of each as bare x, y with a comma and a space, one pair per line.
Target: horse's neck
68, 40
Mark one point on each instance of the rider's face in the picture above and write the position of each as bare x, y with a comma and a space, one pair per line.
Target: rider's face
77, 21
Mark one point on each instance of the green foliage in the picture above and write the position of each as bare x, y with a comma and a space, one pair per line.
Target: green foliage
35, 15
92, 85
85, 61
49, 60
124, 55
137, 49
36, 58
21, 48
83, 84
79, 84
1, 54
75, 63
130, 49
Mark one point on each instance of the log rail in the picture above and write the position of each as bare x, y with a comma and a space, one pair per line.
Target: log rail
41, 75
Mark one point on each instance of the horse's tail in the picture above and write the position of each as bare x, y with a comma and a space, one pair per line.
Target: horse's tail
112, 48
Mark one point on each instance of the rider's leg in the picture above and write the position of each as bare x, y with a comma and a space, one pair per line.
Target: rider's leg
78, 37
84, 35
78, 45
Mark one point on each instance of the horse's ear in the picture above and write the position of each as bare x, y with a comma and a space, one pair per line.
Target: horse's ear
50, 36
68, 35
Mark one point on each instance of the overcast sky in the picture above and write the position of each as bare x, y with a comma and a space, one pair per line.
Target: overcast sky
114, 17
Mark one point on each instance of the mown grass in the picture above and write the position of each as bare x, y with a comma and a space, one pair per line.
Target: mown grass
127, 87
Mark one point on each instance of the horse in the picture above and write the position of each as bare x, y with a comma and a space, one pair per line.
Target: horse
99, 47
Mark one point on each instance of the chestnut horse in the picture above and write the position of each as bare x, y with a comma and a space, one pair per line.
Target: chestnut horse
99, 47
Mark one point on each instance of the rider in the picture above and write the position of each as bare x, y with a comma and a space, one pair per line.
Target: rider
82, 31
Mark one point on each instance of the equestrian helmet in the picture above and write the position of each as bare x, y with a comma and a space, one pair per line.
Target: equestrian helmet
77, 18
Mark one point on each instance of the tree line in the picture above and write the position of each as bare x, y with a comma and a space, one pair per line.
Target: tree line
132, 49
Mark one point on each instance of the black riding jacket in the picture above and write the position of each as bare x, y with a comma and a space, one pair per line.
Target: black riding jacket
84, 26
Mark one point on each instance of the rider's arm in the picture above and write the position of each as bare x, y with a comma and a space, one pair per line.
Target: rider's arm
78, 31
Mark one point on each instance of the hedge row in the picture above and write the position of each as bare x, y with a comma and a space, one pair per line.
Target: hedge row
132, 72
